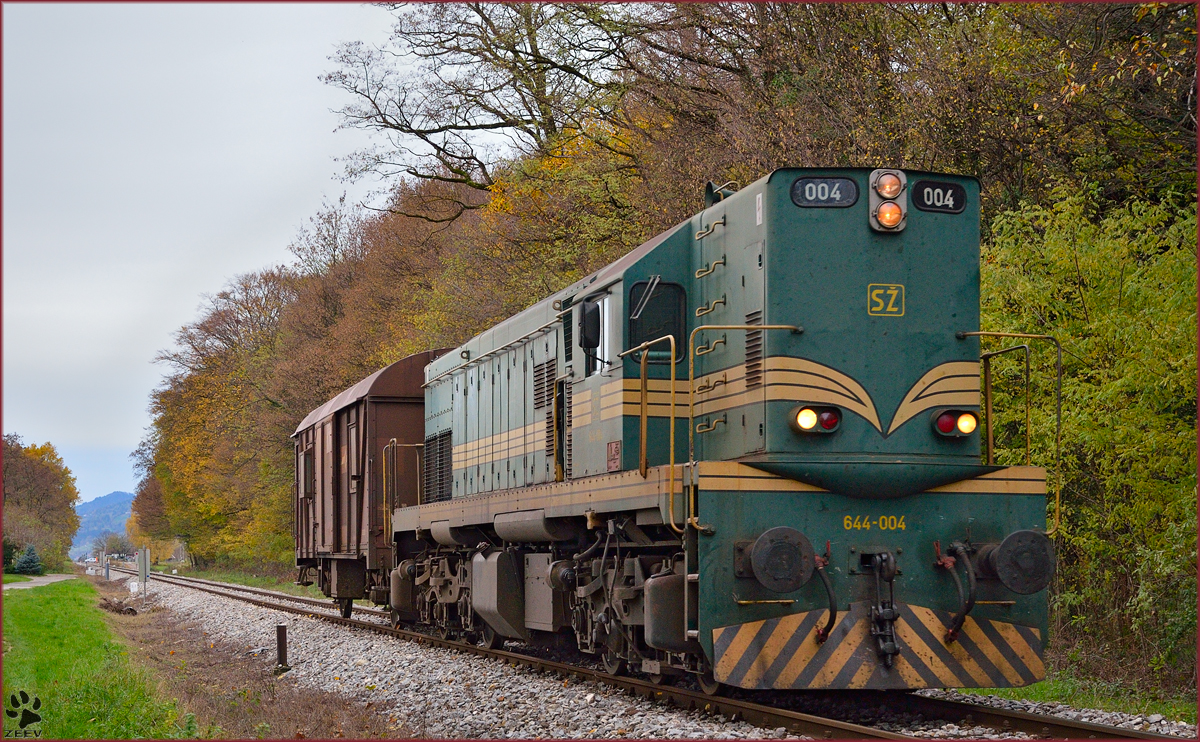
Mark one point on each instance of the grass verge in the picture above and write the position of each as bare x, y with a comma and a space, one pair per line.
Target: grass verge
58, 648
15, 578
231, 692
1064, 687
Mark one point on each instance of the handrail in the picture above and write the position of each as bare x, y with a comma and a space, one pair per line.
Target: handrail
711, 228
692, 520
420, 448
710, 308
709, 268
1058, 411
643, 467
987, 399
704, 350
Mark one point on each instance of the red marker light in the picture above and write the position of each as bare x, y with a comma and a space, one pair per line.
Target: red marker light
946, 422
828, 419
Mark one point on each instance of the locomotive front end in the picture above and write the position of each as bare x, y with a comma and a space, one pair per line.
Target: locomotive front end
847, 533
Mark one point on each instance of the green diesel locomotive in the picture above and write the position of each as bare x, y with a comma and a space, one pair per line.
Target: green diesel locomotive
750, 450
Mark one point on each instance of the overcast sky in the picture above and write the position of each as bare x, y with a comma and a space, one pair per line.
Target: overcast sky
151, 153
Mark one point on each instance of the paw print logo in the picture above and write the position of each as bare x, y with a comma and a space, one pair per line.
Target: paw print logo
23, 708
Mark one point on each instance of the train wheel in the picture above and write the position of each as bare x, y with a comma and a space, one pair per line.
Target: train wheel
659, 678
394, 616
442, 632
488, 638
347, 606
709, 685
613, 665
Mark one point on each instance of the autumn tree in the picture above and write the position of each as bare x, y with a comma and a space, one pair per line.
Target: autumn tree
39, 499
112, 543
204, 446
521, 146
461, 87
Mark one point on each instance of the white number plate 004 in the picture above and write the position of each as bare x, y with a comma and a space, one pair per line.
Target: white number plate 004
824, 192
932, 195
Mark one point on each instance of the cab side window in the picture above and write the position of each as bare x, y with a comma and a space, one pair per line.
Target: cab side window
598, 359
663, 311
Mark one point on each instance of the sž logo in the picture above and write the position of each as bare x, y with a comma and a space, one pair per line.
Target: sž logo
24, 709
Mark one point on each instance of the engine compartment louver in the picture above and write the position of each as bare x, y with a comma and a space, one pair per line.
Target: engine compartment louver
543, 383
754, 351
439, 467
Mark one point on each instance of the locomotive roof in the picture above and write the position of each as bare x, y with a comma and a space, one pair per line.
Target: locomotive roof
398, 380
537, 315
526, 320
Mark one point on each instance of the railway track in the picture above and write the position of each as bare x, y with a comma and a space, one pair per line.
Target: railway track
747, 709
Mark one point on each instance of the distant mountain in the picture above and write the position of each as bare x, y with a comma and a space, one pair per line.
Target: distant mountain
99, 516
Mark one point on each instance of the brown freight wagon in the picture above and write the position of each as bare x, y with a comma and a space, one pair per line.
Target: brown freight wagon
358, 457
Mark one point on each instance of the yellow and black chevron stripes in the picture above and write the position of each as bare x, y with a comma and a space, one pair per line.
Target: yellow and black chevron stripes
783, 652
950, 384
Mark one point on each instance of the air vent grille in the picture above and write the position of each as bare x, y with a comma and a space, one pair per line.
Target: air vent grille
543, 383
439, 467
567, 434
754, 351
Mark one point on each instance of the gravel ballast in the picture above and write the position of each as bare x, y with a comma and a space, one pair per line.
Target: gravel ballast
1148, 723
442, 693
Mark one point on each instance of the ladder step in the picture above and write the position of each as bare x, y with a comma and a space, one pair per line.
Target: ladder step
693, 577
693, 634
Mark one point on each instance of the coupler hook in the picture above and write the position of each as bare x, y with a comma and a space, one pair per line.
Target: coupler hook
883, 612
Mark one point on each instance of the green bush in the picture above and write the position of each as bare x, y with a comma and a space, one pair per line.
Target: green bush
10, 554
28, 563
1117, 287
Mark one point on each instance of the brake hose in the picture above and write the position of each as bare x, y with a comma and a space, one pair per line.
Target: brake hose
967, 601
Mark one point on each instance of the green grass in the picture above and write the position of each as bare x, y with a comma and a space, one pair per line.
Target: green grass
58, 648
15, 578
1063, 687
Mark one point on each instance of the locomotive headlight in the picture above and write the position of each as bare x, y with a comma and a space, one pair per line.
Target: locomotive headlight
806, 418
888, 200
955, 423
888, 185
889, 214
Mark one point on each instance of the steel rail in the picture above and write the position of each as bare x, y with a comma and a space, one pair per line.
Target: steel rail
181, 579
1043, 727
736, 709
